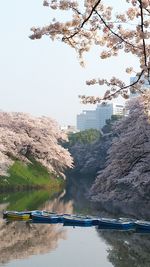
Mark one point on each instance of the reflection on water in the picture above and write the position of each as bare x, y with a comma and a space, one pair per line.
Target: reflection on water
127, 249
20, 240
106, 248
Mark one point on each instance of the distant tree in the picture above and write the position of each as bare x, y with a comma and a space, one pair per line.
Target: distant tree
23, 136
93, 22
88, 149
110, 122
84, 137
127, 171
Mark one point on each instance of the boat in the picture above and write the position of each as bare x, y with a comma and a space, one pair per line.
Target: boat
16, 215
46, 217
119, 224
19, 215
95, 221
142, 226
72, 220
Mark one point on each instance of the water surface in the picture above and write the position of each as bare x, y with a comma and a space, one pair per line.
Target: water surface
39, 245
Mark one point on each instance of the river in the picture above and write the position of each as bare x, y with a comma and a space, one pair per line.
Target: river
39, 245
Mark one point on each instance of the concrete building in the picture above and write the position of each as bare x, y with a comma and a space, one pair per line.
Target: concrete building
86, 120
96, 119
119, 110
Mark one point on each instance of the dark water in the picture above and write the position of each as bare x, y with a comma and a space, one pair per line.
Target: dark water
58, 246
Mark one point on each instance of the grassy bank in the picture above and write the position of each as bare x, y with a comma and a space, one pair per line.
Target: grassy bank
31, 176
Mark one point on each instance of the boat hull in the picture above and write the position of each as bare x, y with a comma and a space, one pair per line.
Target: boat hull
14, 215
51, 219
142, 227
77, 221
118, 225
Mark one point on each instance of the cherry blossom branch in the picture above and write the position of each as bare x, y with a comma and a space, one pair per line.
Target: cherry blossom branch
128, 86
147, 10
109, 28
142, 29
82, 24
95, 26
144, 7
92, 100
149, 76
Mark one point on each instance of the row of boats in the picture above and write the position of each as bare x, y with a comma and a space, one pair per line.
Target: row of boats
38, 216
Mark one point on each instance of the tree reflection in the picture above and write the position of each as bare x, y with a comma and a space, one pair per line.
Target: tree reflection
20, 241
127, 249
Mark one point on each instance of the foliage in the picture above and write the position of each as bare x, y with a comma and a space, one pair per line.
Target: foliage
84, 137
90, 157
93, 22
23, 137
126, 176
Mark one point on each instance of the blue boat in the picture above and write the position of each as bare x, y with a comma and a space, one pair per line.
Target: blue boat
72, 220
118, 224
46, 217
142, 226
95, 221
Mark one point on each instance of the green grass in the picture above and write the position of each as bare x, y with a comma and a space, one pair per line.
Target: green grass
22, 176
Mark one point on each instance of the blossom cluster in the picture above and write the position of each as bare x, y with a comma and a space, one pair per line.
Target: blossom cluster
127, 167
23, 136
95, 23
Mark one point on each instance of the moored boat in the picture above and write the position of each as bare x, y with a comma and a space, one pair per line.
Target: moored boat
142, 226
119, 224
46, 217
72, 220
15, 215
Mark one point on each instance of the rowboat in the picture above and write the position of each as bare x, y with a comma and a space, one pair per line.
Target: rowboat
72, 220
106, 223
142, 226
38, 216
46, 217
15, 215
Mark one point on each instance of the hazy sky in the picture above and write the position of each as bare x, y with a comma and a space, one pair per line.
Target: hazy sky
42, 77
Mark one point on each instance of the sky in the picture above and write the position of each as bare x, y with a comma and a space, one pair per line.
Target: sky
42, 77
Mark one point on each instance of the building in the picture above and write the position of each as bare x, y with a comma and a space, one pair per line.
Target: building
119, 110
86, 120
96, 119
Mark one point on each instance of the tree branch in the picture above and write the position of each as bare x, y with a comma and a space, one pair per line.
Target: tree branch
120, 37
127, 86
142, 29
144, 7
82, 24
84, 98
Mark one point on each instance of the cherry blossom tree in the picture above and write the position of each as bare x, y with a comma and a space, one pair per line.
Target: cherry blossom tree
126, 176
24, 137
93, 22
